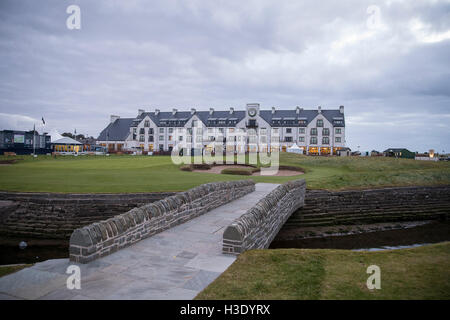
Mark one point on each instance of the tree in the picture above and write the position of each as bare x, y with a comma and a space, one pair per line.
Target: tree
68, 134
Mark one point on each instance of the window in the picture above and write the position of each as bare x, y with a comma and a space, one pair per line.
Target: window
319, 122
161, 130
161, 147
150, 138
314, 132
199, 131
180, 138
301, 130
221, 130
134, 130
141, 138
288, 139
210, 130
141, 131
161, 138
231, 130
194, 123
338, 139
288, 130
313, 140
338, 130
326, 132
170, 138
301, 139
147, 123
262, 131
325, 140
275, 131
170, 130
302, 122
150, 131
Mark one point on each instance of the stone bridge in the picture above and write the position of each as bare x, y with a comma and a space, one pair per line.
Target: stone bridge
170, 249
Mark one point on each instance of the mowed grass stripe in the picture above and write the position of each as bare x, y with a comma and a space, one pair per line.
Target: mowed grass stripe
113, 174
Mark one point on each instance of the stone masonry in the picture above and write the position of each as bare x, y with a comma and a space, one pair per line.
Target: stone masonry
259, 225
105, 237
57, 215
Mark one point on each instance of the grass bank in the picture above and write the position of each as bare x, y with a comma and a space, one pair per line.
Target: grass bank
417, 273
114, 174
5, 270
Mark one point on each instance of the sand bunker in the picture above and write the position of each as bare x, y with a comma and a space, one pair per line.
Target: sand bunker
280, 173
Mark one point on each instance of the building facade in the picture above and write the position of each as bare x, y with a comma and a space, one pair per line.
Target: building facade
316, 132
24, 142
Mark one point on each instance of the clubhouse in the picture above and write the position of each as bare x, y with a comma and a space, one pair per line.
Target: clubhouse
315, 132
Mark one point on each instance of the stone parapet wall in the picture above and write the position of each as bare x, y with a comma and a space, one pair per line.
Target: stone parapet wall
352, 207
105, 237
56, 215
258, 226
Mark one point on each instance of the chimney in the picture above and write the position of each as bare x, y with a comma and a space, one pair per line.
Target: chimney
174, 111
193, 111
114, 118
273, 110
211, 111
231, 110
341, 109
319, 109
140, 111
297, 110
156, 112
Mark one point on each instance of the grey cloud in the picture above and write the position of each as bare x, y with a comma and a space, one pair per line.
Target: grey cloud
132, 54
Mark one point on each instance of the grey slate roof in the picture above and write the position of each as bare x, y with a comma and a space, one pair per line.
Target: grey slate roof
116, 131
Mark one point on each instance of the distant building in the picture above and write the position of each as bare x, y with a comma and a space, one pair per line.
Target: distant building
399, 153
24, 142
344, 152
375, 153
315, 132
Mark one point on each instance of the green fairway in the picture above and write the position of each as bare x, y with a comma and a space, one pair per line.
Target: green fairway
417, 273
113, 174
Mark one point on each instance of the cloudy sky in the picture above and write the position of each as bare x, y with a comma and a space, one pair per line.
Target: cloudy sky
387, 62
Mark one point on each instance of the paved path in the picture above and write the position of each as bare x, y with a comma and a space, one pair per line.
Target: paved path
175, 264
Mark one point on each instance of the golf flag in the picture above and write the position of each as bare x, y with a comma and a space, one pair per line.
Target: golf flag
43, 121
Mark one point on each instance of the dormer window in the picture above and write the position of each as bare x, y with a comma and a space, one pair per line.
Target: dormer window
147, 123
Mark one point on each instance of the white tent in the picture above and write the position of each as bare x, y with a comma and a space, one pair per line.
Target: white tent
295, 149
54, 134
66, 140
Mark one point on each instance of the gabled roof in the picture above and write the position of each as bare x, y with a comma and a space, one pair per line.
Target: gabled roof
396, 150
66, 140
305, 115
283, 118
116, 131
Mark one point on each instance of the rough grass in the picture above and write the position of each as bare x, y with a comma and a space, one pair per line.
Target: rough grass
417, 273
113, 174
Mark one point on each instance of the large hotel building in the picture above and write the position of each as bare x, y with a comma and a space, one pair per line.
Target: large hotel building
316, 132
